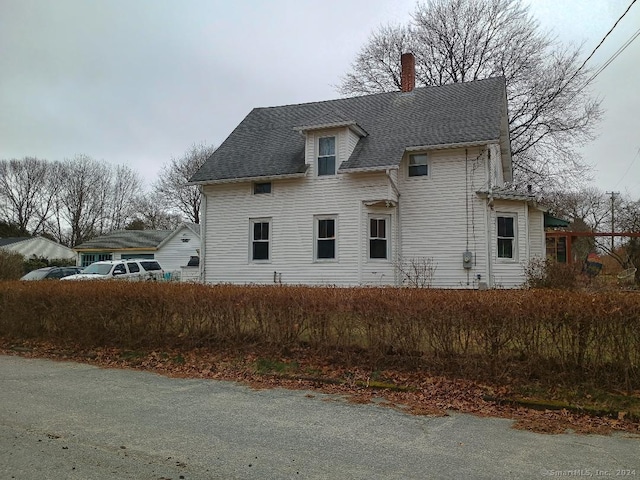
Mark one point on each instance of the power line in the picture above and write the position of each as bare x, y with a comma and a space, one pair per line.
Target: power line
605, 37
629, 168
613, 57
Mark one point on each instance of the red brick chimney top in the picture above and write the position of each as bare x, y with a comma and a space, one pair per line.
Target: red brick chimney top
408, 64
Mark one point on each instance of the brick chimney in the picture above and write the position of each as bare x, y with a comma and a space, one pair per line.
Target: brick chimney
408, 64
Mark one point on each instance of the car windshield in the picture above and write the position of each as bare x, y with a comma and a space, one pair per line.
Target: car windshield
36, 274
98, 269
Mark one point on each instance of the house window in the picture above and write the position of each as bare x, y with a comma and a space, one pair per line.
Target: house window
89, 258
506, 236
327, 156
260, 240
378, 238
326, 238
264, 187
418, 165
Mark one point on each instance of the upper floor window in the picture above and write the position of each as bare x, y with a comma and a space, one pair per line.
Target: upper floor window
260, 240
506, 236
378, 238
327, 156
325, 238
263, 187
418, 165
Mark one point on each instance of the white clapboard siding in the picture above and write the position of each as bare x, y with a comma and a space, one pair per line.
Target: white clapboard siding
178, 249
536, 233
435, 218
440, 221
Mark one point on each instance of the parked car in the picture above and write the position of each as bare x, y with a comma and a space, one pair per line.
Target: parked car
133, 269
51, 273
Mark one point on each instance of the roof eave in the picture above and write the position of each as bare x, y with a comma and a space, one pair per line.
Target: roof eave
249, 179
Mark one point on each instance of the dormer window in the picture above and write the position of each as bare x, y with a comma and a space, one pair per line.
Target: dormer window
326, 156
418, 165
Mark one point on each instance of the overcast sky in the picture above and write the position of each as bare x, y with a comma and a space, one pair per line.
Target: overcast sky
137, 82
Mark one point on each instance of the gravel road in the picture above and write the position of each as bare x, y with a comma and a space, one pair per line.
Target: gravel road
63, 420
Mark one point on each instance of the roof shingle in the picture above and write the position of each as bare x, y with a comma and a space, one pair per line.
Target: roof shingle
265, 143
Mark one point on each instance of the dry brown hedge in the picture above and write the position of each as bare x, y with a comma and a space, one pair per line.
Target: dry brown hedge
552, 335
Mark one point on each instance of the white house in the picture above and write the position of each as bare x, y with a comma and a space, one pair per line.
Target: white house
173, 249
36, 246
382, 189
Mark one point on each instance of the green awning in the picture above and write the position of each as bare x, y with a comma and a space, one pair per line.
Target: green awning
553, 222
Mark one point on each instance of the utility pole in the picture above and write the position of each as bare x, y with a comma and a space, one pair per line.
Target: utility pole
613, 199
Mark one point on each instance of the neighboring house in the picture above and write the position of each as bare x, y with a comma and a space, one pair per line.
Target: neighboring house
383, 189
171, 248
36, 246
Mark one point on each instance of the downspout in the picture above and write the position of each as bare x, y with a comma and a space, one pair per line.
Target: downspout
488, 220
361, 252
203, 233
398, 240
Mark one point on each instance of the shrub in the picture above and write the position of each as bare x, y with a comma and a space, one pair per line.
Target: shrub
10, 265
548, 273
496, 335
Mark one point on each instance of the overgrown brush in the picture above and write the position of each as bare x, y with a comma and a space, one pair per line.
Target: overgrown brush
497, 335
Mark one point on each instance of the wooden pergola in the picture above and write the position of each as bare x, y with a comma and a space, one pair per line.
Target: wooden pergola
569, 237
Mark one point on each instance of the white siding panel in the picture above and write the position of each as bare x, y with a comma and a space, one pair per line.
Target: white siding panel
291, 206
510, 273
536, 233
178, 250
440, 221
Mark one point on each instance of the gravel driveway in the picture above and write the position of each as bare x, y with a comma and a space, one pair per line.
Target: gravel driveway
74, 421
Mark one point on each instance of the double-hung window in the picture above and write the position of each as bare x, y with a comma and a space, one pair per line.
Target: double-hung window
326, 156
378, 237
260, 240
506, 236
418, 165
326, 238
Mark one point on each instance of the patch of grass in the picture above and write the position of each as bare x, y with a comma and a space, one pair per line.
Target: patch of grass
265, 365
583, 398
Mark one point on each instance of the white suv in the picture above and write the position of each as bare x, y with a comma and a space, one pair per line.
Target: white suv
133, 269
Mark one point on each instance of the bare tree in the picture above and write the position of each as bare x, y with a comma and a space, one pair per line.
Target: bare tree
172, 186
588, 209
27, 192
126, 189
550, 111
80, 210
150, 215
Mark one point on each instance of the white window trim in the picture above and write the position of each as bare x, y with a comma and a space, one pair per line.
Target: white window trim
252, 222
387, 227
427, 163
513, 259
253, 188
335, 155
316, 220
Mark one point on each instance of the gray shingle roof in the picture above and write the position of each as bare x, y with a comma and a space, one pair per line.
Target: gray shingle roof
123, 239
266, 144
10, 240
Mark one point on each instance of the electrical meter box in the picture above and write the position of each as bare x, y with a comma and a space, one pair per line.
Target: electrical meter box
467, 259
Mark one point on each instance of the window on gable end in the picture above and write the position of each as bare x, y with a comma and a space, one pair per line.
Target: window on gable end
418, 165
326, 156
260, 240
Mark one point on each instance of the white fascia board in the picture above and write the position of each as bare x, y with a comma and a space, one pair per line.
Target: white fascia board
357, 129
249, 179
443, 146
